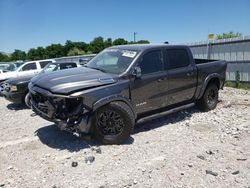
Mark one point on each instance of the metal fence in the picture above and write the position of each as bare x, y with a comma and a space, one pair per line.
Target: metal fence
235, 51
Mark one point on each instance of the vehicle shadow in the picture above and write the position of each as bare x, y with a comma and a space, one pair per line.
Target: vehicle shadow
165, 120
53, 137
15, 106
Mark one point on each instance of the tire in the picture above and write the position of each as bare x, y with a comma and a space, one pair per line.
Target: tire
27, 100
209, 99
113, 123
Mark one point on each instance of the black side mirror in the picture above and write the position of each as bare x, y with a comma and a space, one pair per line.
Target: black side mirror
137, 72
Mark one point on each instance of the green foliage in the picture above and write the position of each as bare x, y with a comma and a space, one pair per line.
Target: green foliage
142, 42
75, 51
108, 43
120, 41
237, 79
55, 50
96, 45
70, 48
18, 55
4, 57
229, 35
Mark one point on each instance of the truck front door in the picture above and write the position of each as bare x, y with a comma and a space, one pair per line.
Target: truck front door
181, 74
146, 90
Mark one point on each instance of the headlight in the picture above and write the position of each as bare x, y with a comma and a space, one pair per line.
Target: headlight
13, 88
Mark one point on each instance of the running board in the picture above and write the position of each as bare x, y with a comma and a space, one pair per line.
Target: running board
154, 116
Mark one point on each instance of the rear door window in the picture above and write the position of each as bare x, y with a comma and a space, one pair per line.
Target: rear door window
177, 58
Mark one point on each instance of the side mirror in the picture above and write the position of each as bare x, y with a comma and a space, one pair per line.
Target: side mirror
137, 72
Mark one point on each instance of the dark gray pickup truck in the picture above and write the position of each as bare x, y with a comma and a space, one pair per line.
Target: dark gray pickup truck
124, 85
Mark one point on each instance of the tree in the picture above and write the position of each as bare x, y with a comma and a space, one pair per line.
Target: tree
119, 41
55, 50
36, 53
229, 35
18, 55
96, 45
108, 43
4, 57
75, 51
142, 42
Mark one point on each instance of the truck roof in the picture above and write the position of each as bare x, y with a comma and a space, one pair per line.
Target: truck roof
141, 47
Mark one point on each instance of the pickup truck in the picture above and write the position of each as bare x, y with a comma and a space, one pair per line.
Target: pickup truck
16, 89
124, 85
30, 68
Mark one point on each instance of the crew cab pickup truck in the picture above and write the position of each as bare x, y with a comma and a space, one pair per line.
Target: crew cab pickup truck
30, 68
124, 85
16, 89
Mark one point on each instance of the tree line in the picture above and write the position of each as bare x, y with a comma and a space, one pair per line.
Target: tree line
70, 48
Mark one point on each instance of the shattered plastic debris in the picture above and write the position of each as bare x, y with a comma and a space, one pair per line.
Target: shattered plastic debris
89, 159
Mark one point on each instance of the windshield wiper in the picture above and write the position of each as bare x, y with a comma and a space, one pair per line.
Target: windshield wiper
95, 68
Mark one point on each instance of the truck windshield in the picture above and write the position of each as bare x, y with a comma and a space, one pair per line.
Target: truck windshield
114, 61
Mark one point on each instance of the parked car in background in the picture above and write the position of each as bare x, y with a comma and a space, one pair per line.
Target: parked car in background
16, 89
126, 84
30, 68
3, 66
12, 67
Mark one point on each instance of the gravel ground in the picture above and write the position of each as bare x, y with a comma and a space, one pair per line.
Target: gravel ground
185, 149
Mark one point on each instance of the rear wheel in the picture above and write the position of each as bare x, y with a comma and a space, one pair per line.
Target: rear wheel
27, 99
113, 123
209, 99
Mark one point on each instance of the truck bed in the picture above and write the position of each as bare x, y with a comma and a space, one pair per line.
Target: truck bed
201, 61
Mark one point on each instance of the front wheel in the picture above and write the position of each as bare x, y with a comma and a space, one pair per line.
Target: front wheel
209, 99
113, 123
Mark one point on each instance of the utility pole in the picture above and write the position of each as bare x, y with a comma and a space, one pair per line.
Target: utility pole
135, 33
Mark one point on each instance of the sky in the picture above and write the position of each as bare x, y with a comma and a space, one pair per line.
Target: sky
26, 24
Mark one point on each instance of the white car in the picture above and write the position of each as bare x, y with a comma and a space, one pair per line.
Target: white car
27, 69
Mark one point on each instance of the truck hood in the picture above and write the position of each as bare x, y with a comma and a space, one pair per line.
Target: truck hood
71, 80
20, 80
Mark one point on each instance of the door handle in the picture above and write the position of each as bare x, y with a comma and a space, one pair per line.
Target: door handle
189, 73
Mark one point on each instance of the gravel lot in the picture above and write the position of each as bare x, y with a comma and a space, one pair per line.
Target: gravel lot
185, 149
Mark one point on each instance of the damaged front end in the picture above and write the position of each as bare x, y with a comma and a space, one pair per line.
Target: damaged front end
68, 113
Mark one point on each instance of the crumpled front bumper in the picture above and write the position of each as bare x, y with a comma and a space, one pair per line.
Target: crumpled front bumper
48, 106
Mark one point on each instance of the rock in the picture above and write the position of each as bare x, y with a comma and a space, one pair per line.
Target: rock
97, 149
211, 173
209, 152
89, 159
201, 157
243, 159
182, 174
236, 172
189, 165
74, 164
10, 168
135, 182
2, 185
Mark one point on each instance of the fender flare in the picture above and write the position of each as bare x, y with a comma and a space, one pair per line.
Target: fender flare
206, 81
113, 98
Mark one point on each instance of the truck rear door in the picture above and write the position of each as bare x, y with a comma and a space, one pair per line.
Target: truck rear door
181, 74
